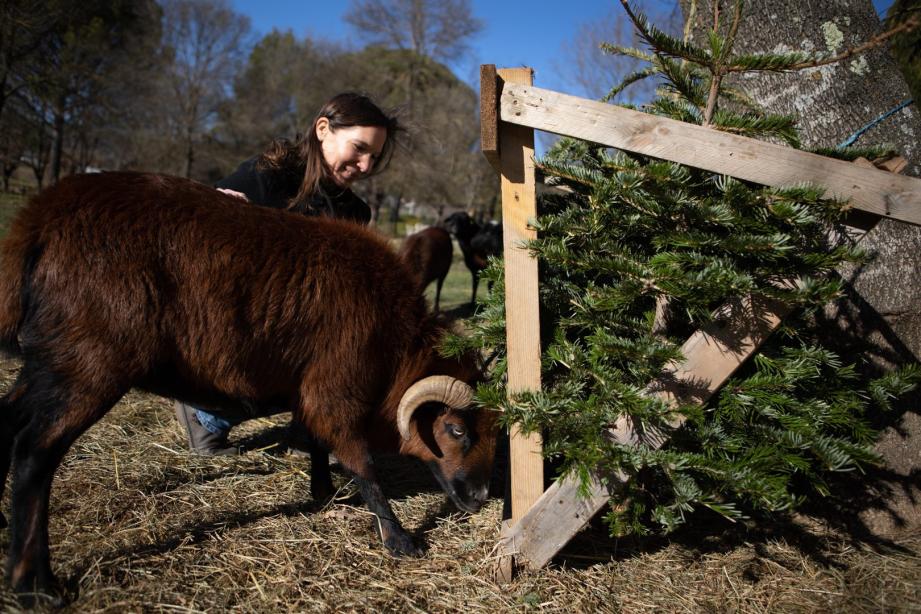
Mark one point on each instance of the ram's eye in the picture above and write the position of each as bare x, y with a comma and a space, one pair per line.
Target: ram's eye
457, 430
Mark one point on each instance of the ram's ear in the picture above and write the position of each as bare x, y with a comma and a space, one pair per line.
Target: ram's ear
448, 391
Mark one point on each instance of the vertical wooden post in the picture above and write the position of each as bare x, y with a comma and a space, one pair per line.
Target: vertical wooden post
516, 159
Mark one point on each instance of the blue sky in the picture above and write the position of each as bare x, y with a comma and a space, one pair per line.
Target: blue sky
532, 33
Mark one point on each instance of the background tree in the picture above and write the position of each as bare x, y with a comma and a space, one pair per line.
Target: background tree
206, 42
833, 102
276, 94
436, 29
14, 134
590, 70
23, 31
12, 147
58, 69
75, 62
906, 47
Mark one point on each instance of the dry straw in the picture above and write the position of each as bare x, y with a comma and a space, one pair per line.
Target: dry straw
138, 524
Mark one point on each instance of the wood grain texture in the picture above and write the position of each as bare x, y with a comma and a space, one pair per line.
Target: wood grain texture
489, 114
868, 189
552, 521
519, 205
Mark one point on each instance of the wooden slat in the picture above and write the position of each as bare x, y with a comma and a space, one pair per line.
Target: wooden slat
489, 114
873, 190
551, 523
519, 204
712, 354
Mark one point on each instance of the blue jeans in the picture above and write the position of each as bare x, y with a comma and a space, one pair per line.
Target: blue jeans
215, 424
220, 424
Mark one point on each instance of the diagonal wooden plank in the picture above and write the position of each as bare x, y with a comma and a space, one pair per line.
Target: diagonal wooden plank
867, 189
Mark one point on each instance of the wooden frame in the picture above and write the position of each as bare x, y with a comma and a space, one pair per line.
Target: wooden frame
510, 103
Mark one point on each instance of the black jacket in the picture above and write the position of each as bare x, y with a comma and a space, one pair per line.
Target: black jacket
273, 188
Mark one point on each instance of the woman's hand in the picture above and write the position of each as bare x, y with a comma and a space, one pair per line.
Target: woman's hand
233, 193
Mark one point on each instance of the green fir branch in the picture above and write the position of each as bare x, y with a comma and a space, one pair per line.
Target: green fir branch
630, 52
778, 126
629, 80
664, 44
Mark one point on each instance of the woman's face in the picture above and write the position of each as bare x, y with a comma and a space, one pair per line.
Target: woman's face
350, 153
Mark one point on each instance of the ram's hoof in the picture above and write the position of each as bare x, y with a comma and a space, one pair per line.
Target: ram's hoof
401, 544
35, 594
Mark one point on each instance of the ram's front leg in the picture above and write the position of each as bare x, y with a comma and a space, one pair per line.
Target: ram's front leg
395, 538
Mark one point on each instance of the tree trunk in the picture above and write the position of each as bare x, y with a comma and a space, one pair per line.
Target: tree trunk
832, 103
57, 146
189, 154
8, 170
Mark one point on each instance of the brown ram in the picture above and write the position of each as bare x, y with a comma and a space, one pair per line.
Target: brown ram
124, 280
429, 252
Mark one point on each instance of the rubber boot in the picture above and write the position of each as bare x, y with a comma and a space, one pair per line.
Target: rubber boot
201, 440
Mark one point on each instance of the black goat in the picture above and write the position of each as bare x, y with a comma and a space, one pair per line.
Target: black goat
477, 242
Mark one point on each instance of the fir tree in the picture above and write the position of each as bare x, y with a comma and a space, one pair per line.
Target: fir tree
636, 255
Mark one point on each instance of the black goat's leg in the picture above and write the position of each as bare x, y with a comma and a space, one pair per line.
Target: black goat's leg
28, 564
476, 281
321, 480
39, 448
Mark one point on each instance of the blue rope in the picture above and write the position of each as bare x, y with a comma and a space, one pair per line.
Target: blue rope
851, 139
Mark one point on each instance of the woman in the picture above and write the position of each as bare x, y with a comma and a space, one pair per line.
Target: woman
350, 139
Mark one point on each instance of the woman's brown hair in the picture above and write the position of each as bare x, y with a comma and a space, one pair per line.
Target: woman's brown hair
304, 156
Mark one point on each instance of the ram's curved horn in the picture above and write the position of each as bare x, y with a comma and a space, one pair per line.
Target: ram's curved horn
451, 391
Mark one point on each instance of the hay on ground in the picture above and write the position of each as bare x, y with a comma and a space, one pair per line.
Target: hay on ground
139, 524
